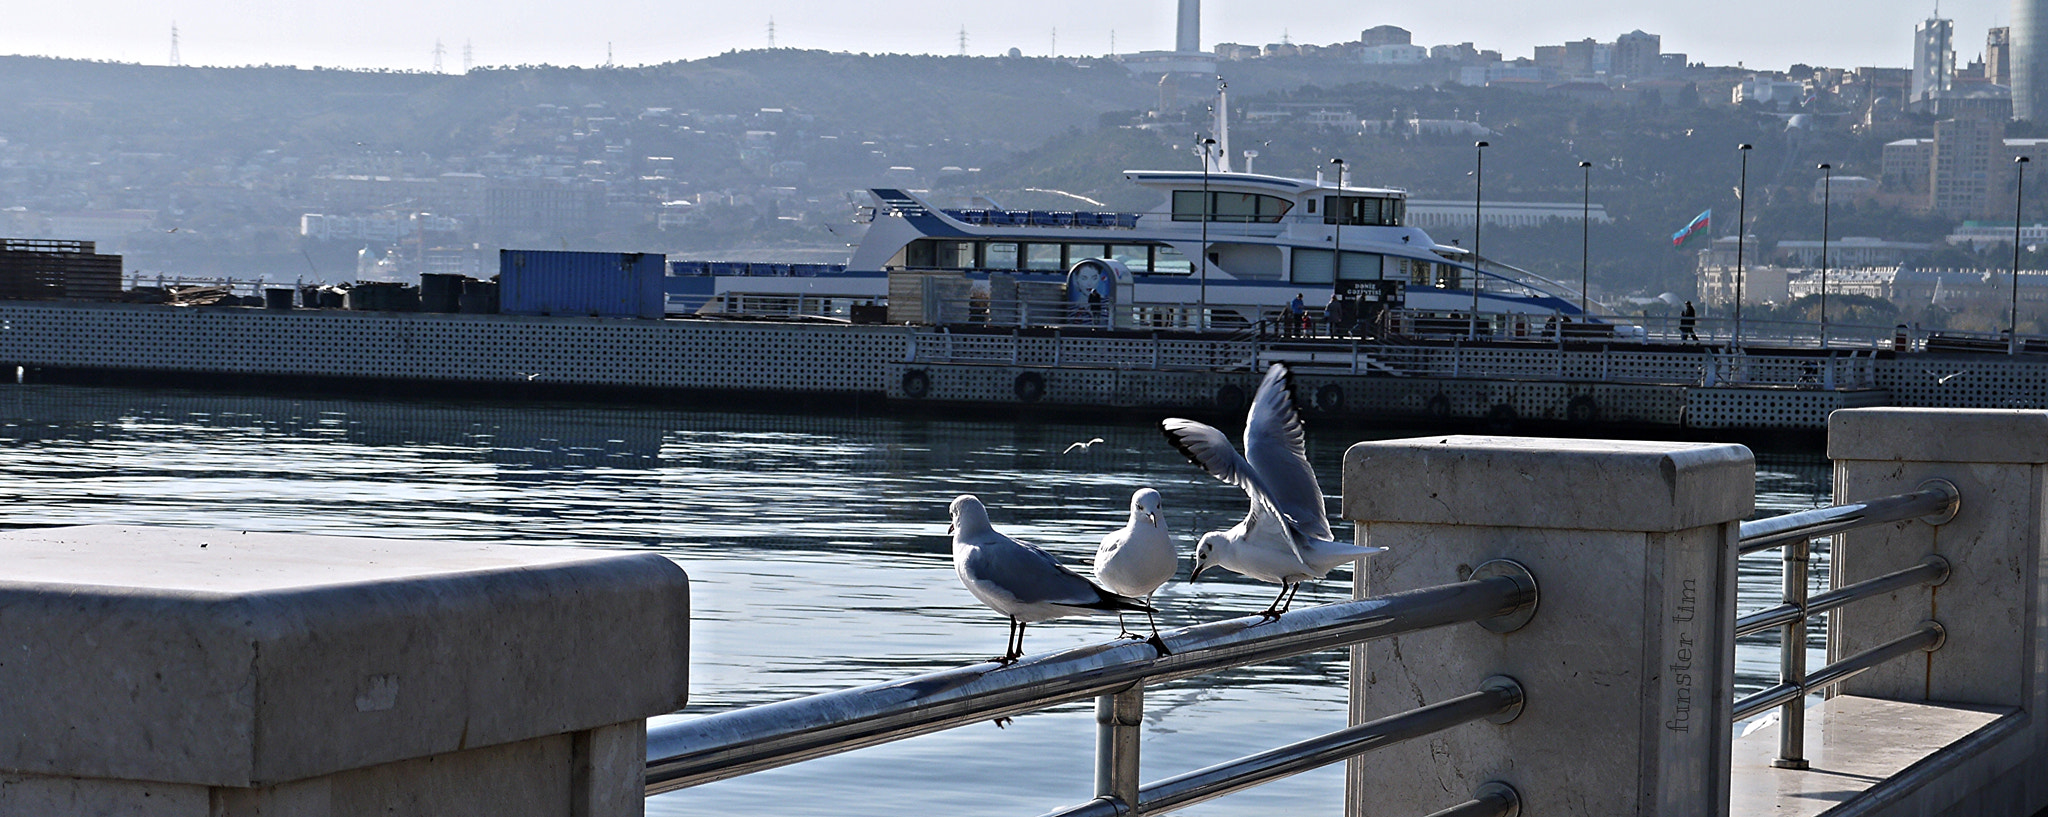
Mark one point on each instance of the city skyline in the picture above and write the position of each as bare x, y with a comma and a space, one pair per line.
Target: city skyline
382, 34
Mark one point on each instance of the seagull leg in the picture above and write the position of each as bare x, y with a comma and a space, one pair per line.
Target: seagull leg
1274, 610
1291, 591
1156, 642
1013, 645
1125, 628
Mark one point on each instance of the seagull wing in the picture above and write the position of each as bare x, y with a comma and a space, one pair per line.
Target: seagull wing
1275, 447
1033, 576
1207, 447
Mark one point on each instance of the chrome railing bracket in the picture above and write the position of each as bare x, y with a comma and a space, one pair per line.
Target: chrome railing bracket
1502, 683
1505, 568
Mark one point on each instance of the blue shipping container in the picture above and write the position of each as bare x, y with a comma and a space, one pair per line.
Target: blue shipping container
602, 284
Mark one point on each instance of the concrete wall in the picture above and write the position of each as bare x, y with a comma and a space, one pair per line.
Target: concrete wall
1627, 663
194, 672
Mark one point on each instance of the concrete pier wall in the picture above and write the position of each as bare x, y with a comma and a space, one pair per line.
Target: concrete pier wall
1628, 661
1498, 386
156, 671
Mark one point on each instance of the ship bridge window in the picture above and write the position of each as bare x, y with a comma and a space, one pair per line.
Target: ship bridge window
1364, 211
929, 253
1000, 255
1135, 257
1043, 257
1169, 261
1314, 267
1242, 208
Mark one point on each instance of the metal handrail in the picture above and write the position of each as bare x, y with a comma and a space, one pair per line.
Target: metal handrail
1936, 498
683, 753
1499, 699
1927, 637
1933, 570
1935, 502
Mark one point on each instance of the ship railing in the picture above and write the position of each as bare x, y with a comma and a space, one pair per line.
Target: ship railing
250, 287
1552, 360
1935, 503
1500, 595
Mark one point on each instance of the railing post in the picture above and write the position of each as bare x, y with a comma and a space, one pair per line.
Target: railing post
1631, 667
1792, 660
1119, 717
1992, 605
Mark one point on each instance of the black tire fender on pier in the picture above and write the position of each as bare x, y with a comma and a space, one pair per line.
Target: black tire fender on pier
1230, 397
1030, 386
1582, 410
1439, 406
917, 383
1330, 398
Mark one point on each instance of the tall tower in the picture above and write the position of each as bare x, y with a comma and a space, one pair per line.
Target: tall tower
2030, 59
1934, 59
1189, 39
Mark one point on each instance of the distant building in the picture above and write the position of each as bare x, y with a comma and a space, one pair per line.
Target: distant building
1934, 60
1853, 251
1963, 170
1769, 92
1394, 54
1906, 163
1188, 35
1638, 55
2029, 37
1978, 235
1998, 56
1385, 35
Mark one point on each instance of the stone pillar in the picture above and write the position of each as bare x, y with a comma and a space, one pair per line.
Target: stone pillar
208, 673
1991, 605
1628, 661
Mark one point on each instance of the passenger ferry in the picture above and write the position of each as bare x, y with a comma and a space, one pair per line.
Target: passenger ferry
1268, 240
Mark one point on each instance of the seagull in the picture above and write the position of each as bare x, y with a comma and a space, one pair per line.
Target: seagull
1285, 538
1081, 446
1944, 379
1137, 558
1019, 580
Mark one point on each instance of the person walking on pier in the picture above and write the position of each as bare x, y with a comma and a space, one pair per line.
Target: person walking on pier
1334, 315
1686, 320
1296, 313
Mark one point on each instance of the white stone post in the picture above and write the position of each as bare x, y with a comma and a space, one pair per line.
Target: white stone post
1628, 661
198, 673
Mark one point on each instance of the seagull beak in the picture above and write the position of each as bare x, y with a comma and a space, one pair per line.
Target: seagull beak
1151, 518
949, 529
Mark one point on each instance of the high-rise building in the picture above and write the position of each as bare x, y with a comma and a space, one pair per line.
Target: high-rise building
1998, 56
1934, 59
1964, 166
2030, 59
1637, 55
1189, 37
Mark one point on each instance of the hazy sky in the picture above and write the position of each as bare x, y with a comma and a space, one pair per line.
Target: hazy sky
401, 34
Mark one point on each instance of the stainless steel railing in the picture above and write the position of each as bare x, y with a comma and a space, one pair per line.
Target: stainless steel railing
1501, 596
1935, 503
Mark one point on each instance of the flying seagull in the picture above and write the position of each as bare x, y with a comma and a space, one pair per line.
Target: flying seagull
1285, 537
1020, 581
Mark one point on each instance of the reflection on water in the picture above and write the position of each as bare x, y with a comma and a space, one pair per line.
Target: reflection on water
816, 547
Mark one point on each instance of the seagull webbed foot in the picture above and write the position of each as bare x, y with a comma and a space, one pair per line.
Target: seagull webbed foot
1159, 644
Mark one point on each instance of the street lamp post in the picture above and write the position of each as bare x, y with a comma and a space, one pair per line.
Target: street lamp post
1826, 198
1202, 258
1585, 235
1741, 236
2012, 326
1343, 210
1478, 195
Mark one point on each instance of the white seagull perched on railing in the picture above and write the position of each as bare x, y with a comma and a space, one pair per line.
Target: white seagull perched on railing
1139, 557
1285, 538
1019, 580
